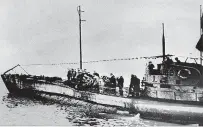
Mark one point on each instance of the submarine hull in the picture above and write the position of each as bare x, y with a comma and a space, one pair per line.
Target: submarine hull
148, 108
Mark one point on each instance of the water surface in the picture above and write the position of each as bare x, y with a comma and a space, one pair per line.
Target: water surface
15, 110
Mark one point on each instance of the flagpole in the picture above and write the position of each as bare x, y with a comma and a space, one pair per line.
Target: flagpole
200, 32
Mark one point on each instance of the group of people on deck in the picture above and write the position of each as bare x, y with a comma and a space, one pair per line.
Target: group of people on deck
165, 64
113, 82
83, 80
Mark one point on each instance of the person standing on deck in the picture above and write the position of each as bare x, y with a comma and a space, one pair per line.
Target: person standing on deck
132, 84
137, 85
166, 65
168, 62
113, 82
151, 67
69, 75
120, 85
96, 82
73, 73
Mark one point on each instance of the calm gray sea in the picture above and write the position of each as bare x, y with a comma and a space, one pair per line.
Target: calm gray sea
23, 111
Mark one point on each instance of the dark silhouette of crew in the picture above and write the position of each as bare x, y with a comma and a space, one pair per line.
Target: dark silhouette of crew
113, 82
168, 61
134, 86
74, 73
151, 67
120, 84
137, 85
69, 75
132, 83
177, 60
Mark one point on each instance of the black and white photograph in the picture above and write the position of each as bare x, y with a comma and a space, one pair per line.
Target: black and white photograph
101, 63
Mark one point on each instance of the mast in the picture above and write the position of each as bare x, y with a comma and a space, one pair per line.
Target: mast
163, 44
80, 34
200, 32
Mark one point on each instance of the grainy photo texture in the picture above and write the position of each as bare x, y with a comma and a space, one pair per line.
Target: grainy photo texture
101, 63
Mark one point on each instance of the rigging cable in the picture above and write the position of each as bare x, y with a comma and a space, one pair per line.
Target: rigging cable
96, 61
23, 69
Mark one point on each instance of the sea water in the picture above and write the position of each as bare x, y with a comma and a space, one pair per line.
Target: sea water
15, 110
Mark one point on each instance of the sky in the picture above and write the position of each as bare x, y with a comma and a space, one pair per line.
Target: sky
47, 31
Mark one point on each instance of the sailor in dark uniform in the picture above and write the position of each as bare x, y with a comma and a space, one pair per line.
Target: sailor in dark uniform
177, 60
73, 73
69, 75
120, 85
137, 85
134, 85
169, 61
113, 83
151, 68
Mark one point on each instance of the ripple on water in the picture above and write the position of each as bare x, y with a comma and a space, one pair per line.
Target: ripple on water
72, 112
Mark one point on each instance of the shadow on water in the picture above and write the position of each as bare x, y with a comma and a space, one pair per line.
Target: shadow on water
77, 112
12, 101
80, 113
